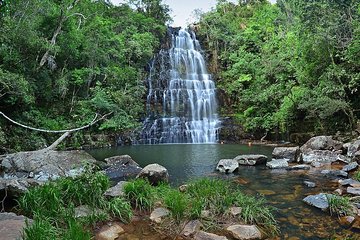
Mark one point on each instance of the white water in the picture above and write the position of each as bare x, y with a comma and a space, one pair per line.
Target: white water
185, 91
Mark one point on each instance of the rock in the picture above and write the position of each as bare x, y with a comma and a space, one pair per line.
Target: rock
318, 201
85, 211
251, 159
353, 148
208, 236
350, 167
353, 191
244, 232
191, 228
12, 226
356, 156
310, 184
155, 173
334, 173
227, 165
234, 211
291, 153
117, 190
158, 213
121, 160
277, 163
119, 172
346, 220
324, 156
183, 188
205, 214
317, 164
339, 191
299, 167
110, 232
321, 143
16, 187
349, 182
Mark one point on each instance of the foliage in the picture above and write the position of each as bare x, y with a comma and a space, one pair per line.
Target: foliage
140, 193
339, 205
356, 176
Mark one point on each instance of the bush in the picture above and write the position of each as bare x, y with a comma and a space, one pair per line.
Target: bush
140, 193
339, 205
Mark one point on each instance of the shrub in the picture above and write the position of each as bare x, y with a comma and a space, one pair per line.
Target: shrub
121, 209
339, 205
140, 193
177, 203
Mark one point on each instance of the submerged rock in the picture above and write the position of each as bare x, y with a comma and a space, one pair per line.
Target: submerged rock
244, 232
191, 228
201, 235
291, 153
318, 201
227, 165
155, 173
251, 159
117, 190
12, 226
350, 167
110, 232
321, 143
158, 214
277, 163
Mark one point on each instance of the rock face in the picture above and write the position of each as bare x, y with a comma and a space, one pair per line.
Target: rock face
208, 236
227, 165
191, 228
251, 159
291, 153
318, 201
117, 190
277, 163
120, 168
158, 214
350, 167
155, 173
353, 148
110, 232
244, 232
11, 226
321, 143
325, 156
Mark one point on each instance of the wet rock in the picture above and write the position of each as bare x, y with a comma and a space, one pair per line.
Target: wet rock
353, 191
291, 153
227, 165
201, 235
158, 214
309, 184
244, 232
251, 159
117, 190
110, 232
191, 228
349, 182
12, 226
321, 143
318, 201
353, 148
277, 163
334, 173
155, 173
324, 156
234, 211
299, 167
121, 160
350, 167
346, 220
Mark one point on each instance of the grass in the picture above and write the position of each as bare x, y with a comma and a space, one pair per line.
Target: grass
356, 175
339, 205
140, 193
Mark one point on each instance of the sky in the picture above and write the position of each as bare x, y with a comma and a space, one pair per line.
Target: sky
182, 9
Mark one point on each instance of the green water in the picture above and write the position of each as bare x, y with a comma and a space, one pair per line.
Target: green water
283, 189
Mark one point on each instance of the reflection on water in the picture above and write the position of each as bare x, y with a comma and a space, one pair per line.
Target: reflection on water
284, 190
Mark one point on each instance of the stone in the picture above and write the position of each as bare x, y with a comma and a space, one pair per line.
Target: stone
191, 228
321, 143
155, 173
334, 173
121, 160
318, 201
12, 226
120, 172
244, 232
349, 182
350, 167
277, 163
299, 167
346, 220
291, 153
227, 165
324, 156
339, 191
317, 164
117, 190
85, 211
353, 191
353, 148
205, 214
251, 159
234, 211
201, 235
309, 184
183, 188
158, 213
110, 232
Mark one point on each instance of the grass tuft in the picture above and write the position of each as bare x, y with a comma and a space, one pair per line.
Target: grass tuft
339, 205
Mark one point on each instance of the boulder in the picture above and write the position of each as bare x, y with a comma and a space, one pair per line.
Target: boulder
119, 172
227, 165
117, 190
17, 186
334, 173
310, 184
291, 153
191, 228
110, 232
277, 163
324, 156
299, 167
318, 201
251, 159
350, 167
353, 191
201, 235
155, 173
349, 182
12, 226
244, 232
353, 148
321, 143
121, 160
158, 214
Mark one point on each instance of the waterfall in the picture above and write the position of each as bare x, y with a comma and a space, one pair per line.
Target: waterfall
181, 101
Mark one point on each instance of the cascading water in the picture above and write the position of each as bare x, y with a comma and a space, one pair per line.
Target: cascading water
181, 101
